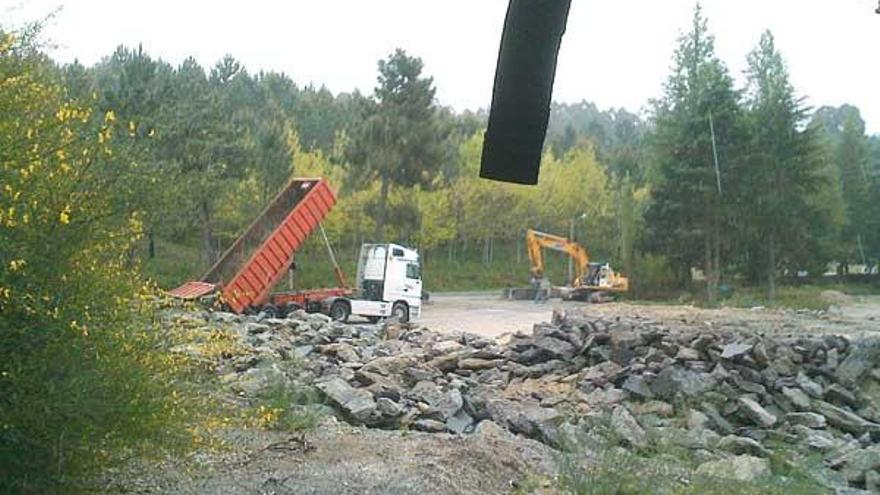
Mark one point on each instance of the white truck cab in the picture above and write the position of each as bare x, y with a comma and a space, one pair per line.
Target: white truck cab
389, 284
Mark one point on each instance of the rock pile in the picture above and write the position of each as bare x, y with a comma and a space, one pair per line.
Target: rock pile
734, 398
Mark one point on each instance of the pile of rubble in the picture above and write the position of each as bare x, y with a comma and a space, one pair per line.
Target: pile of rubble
733, 398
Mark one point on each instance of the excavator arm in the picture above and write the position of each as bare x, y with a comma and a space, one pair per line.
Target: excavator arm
538, 241
586, 277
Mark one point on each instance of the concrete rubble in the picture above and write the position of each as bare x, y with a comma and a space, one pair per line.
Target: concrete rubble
733, 397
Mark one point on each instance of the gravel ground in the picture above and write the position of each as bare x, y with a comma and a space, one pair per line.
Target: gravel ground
490, 316
340, 459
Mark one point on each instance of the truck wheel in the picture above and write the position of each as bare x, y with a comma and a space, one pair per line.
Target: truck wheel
400, 312
291, 307
270, 310
340, 311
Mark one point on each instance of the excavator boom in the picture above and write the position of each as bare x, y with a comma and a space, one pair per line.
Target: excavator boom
587, 276
538, 241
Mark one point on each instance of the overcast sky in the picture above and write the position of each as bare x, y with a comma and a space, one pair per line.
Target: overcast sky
616, 54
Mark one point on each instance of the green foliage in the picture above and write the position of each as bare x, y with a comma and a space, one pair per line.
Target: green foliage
83, 381
224, 141
689, 216
617, 135
854, 161
781, 176
284, 408
398, 141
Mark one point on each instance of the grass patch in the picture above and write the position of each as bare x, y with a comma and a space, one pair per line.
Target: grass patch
619, 472
596, 464
855, 289
800, 297
173, 264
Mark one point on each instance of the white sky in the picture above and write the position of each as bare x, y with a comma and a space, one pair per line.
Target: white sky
615, 53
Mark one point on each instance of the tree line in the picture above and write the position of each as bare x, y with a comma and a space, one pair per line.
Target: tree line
744, 184
106, 168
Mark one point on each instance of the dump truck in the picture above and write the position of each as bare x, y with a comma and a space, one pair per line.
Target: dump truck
592, 282
389, 275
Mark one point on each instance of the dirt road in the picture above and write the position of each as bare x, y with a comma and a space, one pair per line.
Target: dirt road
487, 314
484, 313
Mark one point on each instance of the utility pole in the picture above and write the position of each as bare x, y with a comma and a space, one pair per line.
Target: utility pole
715, 153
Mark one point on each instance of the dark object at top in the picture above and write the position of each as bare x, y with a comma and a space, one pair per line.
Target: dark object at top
523, 87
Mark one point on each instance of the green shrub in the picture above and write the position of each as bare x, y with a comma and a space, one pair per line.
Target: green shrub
285, 408
84, 381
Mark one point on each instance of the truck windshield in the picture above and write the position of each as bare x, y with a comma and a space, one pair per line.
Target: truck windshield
413, 271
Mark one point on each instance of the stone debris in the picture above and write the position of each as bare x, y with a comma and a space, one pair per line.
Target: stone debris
625, 425
754, 412
740, 468
732, 390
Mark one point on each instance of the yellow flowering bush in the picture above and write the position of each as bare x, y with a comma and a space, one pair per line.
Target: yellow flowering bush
83, 378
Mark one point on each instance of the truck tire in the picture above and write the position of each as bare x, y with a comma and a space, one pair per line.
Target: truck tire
271, 311
290, 307
400, 312
340, 310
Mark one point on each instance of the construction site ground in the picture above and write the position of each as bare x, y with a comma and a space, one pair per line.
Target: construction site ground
487, 314
339, 458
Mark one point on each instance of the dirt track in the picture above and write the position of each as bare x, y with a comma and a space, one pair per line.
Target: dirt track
488, 315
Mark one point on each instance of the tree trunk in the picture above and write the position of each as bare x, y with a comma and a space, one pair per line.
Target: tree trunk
491, 250
716, 254
771, 264
383, 207
707, 267
151, 249
709, 262
207, 233
519, 244
486, 251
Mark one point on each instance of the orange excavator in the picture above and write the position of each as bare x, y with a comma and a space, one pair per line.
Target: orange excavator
592, 282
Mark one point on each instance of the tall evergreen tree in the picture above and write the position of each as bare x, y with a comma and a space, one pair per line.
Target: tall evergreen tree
696, 120
857, 181
782, 172
399, 141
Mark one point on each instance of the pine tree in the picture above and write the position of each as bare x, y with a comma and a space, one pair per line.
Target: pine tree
782, 172
696, 120
852, 159
399, 141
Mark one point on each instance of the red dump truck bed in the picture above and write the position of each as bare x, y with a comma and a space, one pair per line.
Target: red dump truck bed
250, 268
